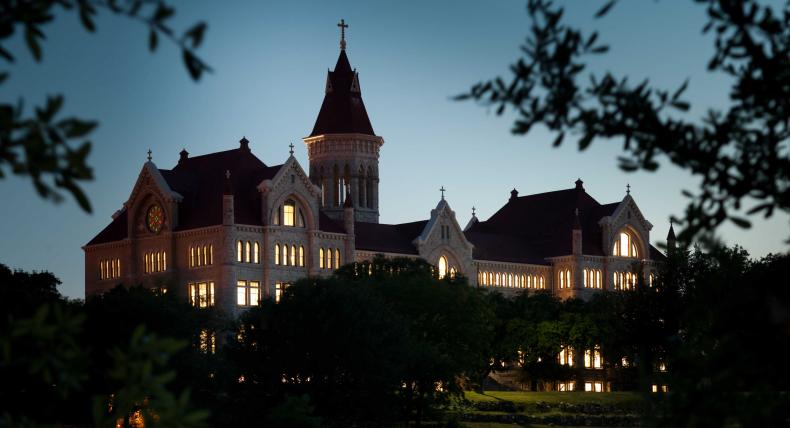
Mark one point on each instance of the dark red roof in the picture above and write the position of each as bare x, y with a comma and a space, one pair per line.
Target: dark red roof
326, 224
388, 238
530, 228
115, 231
202, 181
342, 110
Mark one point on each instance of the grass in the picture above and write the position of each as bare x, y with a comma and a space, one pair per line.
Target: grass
527, 398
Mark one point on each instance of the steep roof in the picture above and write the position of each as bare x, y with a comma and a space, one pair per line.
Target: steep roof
342, 111
201, 181
528, 229
388, 238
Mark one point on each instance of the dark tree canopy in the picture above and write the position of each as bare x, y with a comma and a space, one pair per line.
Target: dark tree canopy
740, 153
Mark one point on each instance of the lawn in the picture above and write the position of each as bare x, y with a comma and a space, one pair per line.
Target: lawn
521, 397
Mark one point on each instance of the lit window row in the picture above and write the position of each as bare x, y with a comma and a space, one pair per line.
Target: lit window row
660, 388
201, 294
623, 280
444, 268
248, 252
496, 279
325, 258
566, 356
247, 293
207, 342
289, 214
592, 278
566, 386
288, 256
110, 268
155, 262
625, 246
564, 279
201, 255
279, 289
592, 358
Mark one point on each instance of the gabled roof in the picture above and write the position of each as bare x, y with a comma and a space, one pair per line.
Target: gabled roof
388, 238
342, 111
201, 181
530, 228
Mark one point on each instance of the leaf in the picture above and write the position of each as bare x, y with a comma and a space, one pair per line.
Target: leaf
605, 9
600, 49
87, 19
75, 128
152, 40
7, 55
558, 140
32, 43
3, 76
741, 222
680, 105
586, 140
196, 33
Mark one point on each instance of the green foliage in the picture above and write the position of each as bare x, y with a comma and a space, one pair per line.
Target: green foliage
739, 153
294, 412
53, 153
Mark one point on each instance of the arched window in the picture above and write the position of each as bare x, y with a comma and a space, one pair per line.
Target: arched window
164, 261
289, 213
562, 279
191, 256
293, 255
321, 258
301, 255
510, 280
337, 258
248, 252
199, 256
329, 258
205, 254
285, 255
211, 254
542, 282
496, 279
277, 254
239, 251
442, 265
586, 277
625, 245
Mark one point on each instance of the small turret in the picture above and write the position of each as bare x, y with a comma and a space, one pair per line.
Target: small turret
513, 194
183, 156
671, 240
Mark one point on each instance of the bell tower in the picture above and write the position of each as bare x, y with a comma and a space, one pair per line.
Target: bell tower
343, 149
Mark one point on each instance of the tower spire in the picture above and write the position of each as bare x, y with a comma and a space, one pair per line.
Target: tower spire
342, 24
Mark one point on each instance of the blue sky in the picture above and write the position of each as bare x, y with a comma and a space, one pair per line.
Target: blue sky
270, 61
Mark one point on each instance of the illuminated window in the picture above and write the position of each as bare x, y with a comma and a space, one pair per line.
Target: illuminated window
337, 258
289, 211
598, 279
592, 358
277, 254
205, 255
284, 259
279, 289
256, 252
566, 386
496, 279
321, 258
510, 280
650, 279
164, 261
247, 293
201, 294
293, 255
329, 258
662, 366
191, 256
254, 293
566, 356
301, 255
239, 251
241, 293
625, 245
654, 388
248, 252
211, 254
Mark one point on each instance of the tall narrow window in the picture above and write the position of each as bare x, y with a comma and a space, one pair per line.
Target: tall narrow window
254, 293
164, 260
241, 293
277, 254
625, 245
199, 256
285, 255
301, 255
211, 254
293, 255
337, 258
205, 255
329, 258
191, 256
248, 252
289, 211
102, 270
256, 252
442, 265
239, 251
321, 258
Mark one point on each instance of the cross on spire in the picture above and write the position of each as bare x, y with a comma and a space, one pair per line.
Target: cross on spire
473, 211
442, 189
342, 24
149, 155
292, 148
628, 189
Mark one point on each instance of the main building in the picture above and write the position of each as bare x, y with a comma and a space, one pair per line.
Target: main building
227, 229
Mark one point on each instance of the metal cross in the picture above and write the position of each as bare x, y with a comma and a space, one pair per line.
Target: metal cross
628, 189
442, 189
343, 27
149, 155
292, 148
473, 211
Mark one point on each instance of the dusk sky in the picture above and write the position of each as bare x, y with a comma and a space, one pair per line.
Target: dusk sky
270, 61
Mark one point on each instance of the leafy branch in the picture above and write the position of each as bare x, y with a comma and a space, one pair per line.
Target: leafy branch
45, 150
740, 154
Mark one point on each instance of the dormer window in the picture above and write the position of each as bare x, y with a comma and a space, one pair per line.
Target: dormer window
625, 246
289, 214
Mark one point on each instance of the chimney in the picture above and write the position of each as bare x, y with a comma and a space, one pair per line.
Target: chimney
577, 234
228, 215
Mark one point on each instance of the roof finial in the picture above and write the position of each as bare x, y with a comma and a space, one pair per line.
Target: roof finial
473, 211
292, 148
628, 189
149, 155
442, 189
342, 24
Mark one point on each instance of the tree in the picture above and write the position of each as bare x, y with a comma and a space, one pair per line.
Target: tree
45, 148
740, 153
